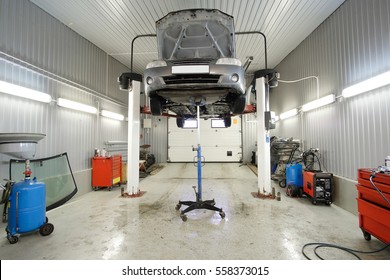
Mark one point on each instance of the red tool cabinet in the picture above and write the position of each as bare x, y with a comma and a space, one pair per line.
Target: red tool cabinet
374, 211
106, 171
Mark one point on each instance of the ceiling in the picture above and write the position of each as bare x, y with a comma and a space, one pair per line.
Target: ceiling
112, 24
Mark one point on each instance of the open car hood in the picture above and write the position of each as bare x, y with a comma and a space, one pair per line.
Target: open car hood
197, 34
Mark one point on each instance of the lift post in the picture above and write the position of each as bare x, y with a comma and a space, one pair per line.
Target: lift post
262, 85
133, 139
132, 83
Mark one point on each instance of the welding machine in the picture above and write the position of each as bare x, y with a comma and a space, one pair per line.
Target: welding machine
318, 186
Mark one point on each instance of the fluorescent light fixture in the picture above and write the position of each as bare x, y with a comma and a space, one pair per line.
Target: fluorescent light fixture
24, 92
367, 85
76, 106
319, 103
112, 115
289, 114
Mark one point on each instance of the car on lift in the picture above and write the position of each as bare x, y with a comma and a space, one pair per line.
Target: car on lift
196, 66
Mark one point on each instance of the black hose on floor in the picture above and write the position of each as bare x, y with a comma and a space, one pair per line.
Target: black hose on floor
348, 250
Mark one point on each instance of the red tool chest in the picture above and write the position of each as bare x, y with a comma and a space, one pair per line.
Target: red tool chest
106, 171
374, 211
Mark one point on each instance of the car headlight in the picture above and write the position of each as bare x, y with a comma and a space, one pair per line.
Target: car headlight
229, 61
235, 78
155, 64
149, 80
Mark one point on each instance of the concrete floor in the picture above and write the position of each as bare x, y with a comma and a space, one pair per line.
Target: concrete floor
104, 225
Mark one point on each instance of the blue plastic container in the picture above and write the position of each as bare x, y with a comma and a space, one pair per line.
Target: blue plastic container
294, 176
27, 210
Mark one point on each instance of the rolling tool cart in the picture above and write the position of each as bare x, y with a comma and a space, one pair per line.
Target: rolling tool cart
106, 171
373, 204
318, 186
282, 153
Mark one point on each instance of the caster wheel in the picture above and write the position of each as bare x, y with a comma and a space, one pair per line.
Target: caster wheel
183, 217
282, 183
289, 191
109, 189
95, 189
222, 214
328, 203
314, 202
178, 206
46, 229
13, 239
366, 235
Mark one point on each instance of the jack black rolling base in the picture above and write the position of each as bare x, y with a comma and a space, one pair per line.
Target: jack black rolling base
199, 203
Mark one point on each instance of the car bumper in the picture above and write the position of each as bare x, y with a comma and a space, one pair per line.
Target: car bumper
194, 80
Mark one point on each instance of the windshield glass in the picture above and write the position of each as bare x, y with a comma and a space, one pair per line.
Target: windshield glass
195, 34
55, 172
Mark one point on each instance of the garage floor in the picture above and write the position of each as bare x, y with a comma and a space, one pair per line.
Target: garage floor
104, 225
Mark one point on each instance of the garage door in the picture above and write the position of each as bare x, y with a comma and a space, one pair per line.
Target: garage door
219, 144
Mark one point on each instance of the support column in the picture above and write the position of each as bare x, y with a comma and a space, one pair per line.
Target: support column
263, 138
133, 138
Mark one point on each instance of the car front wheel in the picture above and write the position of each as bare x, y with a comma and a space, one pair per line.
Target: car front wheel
155, 106
238, 106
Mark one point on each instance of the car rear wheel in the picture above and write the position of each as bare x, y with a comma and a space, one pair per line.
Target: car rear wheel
180, 122
228, 121
155, 106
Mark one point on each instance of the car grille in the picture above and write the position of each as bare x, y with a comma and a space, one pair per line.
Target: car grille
191, 62
191, 79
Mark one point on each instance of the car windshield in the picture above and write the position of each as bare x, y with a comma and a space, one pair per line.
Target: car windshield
55, 172
195, 35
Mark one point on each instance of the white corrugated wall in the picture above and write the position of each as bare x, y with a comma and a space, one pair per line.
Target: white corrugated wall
39, 52
351, 45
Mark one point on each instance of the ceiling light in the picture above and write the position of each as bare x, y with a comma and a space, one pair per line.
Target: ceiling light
289, 114
367, 85
76, 106
319, 103
24, 92
112, 115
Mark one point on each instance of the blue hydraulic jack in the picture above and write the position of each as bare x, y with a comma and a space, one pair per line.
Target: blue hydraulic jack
199, 203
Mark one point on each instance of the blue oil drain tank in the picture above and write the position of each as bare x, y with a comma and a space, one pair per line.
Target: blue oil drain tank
27, 209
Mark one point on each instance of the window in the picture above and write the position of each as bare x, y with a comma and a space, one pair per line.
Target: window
217, 123
190, 123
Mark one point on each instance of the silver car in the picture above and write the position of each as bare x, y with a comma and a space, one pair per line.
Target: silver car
196, 66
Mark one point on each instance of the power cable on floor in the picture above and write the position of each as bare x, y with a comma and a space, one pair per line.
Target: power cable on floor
348, 250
